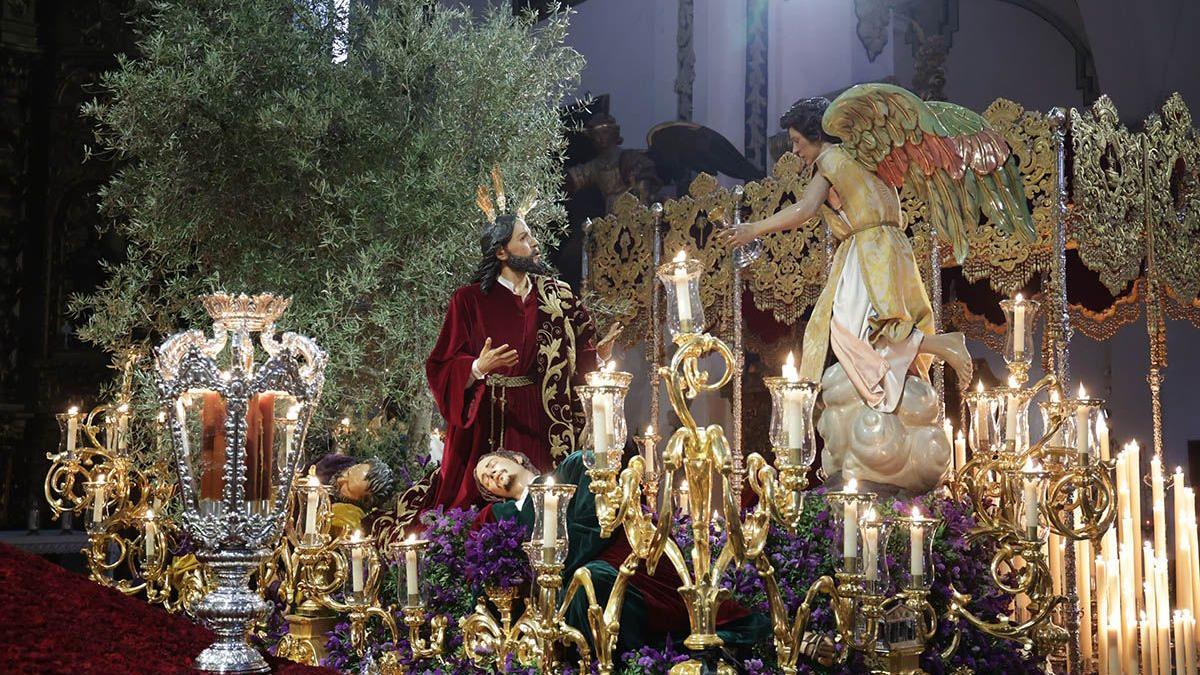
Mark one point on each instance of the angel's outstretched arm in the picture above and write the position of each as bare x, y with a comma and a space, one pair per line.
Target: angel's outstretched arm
785, 219
802, 211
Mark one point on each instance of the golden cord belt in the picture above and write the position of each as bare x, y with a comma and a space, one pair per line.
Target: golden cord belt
502, 383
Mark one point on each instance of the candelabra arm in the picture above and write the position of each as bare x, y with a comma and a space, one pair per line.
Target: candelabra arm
605, 623
1006, 630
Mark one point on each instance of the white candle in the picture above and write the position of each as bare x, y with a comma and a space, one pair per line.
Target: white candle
960, 451
1018, 327
151, 534
550, 522
648, 454
72, 429
99, 499
948, 428
310, 508
1102, 435
1189, 642
601, 438
356, 563
916, 547
1158, 506
683, 299
870, 545
1147, 651
289, 430
1010, 413
981, 420
123, 426
850, 523
1114, 657
683, 496
1082, 412
1032, 494
410, 570
793, 411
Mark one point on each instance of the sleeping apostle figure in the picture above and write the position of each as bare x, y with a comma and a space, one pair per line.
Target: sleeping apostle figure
514, 343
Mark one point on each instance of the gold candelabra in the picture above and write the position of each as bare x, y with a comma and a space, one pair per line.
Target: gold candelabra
535, 636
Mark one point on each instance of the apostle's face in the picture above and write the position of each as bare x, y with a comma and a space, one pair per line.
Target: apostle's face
522, 250
352, 483
501, 476
806, 149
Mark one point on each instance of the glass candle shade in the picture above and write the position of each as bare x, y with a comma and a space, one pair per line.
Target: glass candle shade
681, 281
548, 539
1026, 493
1011, 406
153, 541
604, 430
1020, 317
982, 421
793, 436
1053, 410
359, 553
874, 535
97, 491
648, 447
312, 502
409, 557
1084, 428
69, 423
918, 572
846, 506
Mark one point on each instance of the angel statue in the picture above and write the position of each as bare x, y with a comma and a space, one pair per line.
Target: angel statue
879, 421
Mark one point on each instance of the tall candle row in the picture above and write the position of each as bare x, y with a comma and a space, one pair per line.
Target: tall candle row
1141, 623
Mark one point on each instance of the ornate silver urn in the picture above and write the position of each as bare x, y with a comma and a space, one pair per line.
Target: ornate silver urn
238, 410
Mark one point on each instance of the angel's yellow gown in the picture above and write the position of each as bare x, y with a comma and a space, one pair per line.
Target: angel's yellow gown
873, 311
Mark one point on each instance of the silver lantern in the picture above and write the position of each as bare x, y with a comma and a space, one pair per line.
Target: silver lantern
238, 412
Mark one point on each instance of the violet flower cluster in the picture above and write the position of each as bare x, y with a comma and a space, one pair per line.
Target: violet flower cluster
495, 556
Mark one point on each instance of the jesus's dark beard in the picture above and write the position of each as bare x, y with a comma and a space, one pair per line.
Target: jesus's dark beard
529, 264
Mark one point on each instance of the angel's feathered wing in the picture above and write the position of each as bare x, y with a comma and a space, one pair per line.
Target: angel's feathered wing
956, 163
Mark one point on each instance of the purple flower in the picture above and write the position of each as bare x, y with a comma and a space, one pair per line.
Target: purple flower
495, 556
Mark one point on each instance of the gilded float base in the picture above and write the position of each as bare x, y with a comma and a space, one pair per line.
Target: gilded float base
311, 630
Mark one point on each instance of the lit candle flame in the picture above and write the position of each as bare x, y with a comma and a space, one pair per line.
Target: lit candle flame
313, 480
852, 485
1031, 466
293, 413
1012, 382
101, 479
149, 514
356, 537
870, 514
916, 512
412, 539
345, 421
550, 481
959, 435
681, 256
73, 410
1054, 396
610, 367
979, 386
162, 417
649, 429
123, 408
1019, 299
1082, 391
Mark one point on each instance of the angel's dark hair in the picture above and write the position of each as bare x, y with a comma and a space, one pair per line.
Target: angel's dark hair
805, 117
495, 236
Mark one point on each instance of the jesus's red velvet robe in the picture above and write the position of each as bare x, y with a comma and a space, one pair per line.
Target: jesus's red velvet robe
554, 340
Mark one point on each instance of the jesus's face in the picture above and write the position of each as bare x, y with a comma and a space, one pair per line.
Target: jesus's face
500, 476
522, 249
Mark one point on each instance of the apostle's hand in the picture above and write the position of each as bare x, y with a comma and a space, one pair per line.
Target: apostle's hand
605, 346
491, 360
